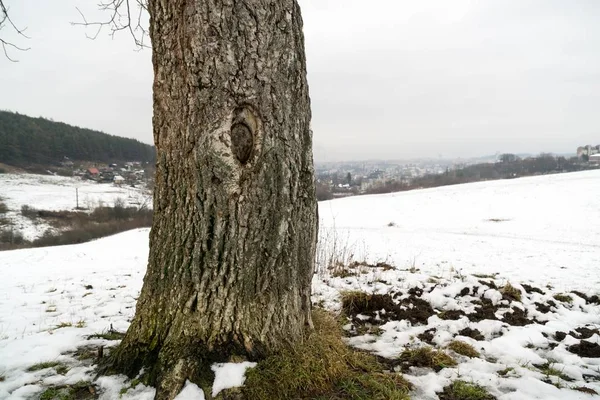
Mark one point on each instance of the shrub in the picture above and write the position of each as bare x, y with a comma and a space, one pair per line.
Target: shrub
11, 236
87, 232
323, 192
29, 212
3, 208
73, 227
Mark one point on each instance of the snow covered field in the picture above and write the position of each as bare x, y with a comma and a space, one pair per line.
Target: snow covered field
543, 228
47, 192
537, 231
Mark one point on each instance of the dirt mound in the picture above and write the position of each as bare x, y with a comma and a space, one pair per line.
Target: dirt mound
486, 310
531, 289
517, 317
413, 309
586, 349
584, 333
427, 336
472, 333
452, 314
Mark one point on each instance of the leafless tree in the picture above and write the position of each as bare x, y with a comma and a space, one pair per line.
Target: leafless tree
233, 239
6, 21
122, 16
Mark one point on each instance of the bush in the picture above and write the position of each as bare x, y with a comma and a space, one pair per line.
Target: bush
88, 232
11, 236
3, 208
323, 192
73, 227
28, 211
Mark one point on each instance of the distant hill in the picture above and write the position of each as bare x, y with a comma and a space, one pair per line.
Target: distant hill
25, 141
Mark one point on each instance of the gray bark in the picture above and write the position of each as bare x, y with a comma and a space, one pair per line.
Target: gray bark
233, 239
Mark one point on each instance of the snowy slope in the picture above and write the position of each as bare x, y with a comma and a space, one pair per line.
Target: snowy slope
549, 228
46, 192
548, 236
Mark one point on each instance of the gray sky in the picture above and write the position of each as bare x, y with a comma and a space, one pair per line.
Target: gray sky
388, 78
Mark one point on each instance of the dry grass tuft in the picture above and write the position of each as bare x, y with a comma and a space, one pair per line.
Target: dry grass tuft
511, 292
565, 298
324, 367
461, 390
463, 349
426, 357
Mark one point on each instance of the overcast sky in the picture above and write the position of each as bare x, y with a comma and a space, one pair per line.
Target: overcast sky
389, 79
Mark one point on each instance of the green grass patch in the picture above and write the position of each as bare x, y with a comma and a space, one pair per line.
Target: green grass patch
86, 353
108, 335
58, 366
461, 390
463, 349
549, 370
323, 367
79, 391
565, 298
505, 371
132, 385
426, 357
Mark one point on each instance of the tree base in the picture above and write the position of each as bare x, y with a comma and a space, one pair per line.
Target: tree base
168, 368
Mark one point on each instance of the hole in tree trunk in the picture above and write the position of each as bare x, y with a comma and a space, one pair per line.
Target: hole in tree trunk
242, 142
194, 307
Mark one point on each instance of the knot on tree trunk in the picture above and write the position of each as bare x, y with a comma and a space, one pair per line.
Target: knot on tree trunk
244, 132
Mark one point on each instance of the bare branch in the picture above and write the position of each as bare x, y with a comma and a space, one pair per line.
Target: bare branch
121, 17
4, 20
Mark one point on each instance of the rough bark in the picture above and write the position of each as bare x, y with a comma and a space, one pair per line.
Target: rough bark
233, 238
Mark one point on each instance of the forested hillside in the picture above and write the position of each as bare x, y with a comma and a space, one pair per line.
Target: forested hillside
25, 140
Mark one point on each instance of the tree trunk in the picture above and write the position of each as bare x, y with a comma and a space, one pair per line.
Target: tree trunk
235, 218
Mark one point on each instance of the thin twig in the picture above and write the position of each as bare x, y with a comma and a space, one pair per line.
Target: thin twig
120, 18
5, 17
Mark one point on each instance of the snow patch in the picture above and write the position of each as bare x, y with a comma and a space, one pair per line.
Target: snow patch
229, 375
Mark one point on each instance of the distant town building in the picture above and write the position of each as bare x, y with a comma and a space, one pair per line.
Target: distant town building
587, 150
594, 159
92, 172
